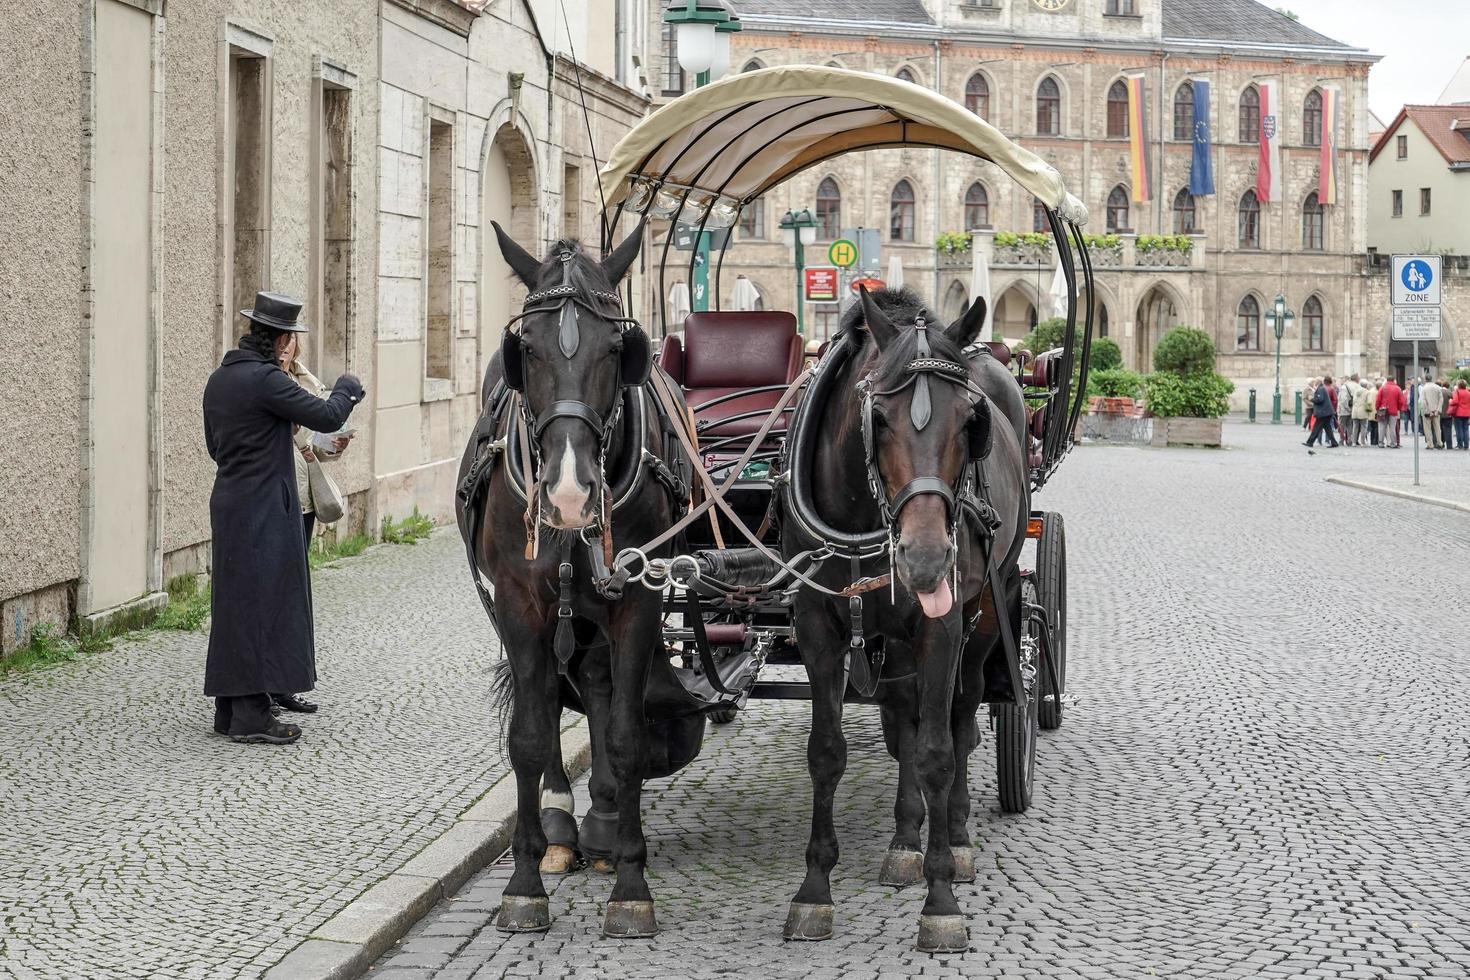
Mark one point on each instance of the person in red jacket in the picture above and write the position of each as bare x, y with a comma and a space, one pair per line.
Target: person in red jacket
1390, 404
1459, 410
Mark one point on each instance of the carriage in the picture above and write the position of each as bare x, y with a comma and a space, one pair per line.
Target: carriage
721, 439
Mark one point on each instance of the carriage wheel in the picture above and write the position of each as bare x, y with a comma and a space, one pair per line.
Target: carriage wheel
1015, 735
723, 716
1051, 589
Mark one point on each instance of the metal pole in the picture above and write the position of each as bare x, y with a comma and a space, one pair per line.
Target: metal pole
1276, 398
700, 284
1416, 414
800, 283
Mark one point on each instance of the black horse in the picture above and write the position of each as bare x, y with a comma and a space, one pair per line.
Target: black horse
558, 474
915, 441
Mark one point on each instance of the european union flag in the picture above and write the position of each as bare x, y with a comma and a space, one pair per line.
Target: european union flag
1201, 173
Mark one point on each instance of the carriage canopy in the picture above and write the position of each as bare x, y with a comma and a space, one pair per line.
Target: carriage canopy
706, 154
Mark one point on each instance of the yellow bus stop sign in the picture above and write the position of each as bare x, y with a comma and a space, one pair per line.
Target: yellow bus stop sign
842, 254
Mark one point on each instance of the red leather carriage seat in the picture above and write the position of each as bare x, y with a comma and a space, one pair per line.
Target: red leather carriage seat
723, 353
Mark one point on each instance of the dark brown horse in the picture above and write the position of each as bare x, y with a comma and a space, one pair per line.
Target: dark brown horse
914, 441
560, 454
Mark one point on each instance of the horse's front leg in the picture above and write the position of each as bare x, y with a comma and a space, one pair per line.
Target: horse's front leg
635, 638
523, 905
941, 925
903, 865
822, 651
964, 732
557, 819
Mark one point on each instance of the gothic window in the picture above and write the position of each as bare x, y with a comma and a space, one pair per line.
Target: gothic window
1312, 324
904, 75
977, 95
1313, 224
1049, 107
1184, 112
1312, 119
1248, 324
1039, 220
977, 207
753, 220
1184, 212
1117, 218
901, 212
1250, 115
1248, 232
829, 210
1118, 110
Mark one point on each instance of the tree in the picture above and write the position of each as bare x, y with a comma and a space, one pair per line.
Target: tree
1287, 13
1047, 335
1106, 355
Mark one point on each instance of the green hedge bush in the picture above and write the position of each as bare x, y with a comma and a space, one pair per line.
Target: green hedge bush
1106, 355
1115, 382
1185, 350
1197, 396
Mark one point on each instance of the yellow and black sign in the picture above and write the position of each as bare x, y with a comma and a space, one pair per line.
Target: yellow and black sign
843, 253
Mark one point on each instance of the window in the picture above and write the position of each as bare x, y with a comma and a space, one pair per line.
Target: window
248, 184
1398, 204
829, 210
1313, 224
904, 75
1184, 212
1424, 200
753, 219
1184, 112
1248, 233
1312, 119
1039, 220
1117, 219
901, 212
673, 76
1125, 8
1118, 110
753, 64
1102, 321
1312, 324
1248, 325
977, 207
439, 351
571, 201
1401, 143
1250, 115
977, 95
1049, 107
332, 232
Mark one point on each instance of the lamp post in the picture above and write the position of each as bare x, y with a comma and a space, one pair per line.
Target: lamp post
799, 229
1279, 319
702, 30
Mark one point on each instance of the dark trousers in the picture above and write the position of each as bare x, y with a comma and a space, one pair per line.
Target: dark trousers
1446, 426
242, 715
1462, 432
308, 522
1321, 424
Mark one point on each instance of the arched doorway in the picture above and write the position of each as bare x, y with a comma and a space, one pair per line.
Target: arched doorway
1158, 312
1015, 314
507, 179
956, 301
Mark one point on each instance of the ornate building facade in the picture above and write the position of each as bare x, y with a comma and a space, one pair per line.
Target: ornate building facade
1051, 75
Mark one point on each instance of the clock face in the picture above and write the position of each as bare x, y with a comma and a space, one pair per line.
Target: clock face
1052, 6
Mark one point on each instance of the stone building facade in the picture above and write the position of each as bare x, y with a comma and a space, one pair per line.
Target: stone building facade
1046, 74
166, 160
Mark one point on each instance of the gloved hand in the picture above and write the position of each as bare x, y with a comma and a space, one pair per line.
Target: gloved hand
351, 386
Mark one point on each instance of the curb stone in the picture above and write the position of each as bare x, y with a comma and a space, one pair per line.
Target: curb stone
1395, 492
352, 940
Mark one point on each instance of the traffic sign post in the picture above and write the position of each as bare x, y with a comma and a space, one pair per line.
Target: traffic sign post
1416, 292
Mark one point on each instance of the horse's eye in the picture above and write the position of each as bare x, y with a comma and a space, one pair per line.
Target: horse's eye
879, 421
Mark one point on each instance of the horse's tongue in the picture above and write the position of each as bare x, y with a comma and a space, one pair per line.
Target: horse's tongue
937, 603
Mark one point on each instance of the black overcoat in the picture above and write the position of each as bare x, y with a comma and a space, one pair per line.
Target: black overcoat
260, 639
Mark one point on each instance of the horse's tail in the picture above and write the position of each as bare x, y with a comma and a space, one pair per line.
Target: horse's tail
502, 696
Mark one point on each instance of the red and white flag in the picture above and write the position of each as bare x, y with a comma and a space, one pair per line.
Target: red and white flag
1268, 171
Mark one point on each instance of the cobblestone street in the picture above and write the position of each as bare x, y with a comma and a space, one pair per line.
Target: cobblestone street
1266, 773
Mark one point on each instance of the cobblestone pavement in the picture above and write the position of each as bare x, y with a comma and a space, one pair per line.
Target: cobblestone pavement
134, 842
1266, 775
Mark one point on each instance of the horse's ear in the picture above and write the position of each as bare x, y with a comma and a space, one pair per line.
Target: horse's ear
879, 325
616, 263
964, 330
521, 262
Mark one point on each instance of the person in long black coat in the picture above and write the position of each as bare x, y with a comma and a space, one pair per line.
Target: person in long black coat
261, 639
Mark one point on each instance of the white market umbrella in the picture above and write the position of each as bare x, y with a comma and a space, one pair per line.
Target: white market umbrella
1056, 298
745, 296
679, 306
980, 286
895, 271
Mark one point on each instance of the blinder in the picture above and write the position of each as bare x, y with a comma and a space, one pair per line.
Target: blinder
635, 359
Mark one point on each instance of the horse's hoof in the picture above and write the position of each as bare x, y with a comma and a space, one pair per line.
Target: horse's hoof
521, 914
902, 868
808, 923
558, 860
942, 934
629, 920
603, 866
964, 863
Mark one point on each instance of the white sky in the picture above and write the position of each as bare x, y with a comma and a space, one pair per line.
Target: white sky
1422, 42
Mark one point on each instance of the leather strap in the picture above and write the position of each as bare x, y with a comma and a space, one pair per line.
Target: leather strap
919, 487
568, 409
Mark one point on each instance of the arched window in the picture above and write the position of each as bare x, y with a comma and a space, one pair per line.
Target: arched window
1314, 224
1102, 320
1248, 324
753, 219
977, 95
1039, 221
1118, 110
1248, 232
1184, 212
901, 212
1312, 119
1250, 115
904, 75
1312, 324
829, 210
1049, 107
977, 207
1184, 112
1117, 218
754, 64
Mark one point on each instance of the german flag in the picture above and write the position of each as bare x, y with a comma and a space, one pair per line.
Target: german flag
1138, 159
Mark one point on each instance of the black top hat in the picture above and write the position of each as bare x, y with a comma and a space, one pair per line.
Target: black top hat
277, 312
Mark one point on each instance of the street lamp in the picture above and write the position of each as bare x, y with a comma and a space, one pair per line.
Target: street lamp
1279, 319
799, 229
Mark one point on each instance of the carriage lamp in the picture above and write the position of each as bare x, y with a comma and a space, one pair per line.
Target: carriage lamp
1279, 319
695, 24
721, 66
799, 229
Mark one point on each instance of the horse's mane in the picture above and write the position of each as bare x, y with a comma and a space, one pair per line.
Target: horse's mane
587, 272
903, 306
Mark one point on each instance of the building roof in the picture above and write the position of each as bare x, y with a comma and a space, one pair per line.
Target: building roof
1244, 21
847, 11
1446, 126
1458, 90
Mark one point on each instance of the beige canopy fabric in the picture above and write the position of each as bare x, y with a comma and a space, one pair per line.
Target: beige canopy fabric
748, 132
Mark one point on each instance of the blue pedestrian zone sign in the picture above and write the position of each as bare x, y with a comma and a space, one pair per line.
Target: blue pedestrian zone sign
1417, 276
1416, 280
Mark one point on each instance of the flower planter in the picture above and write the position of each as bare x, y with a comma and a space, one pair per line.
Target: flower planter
1165, 259
1186, 432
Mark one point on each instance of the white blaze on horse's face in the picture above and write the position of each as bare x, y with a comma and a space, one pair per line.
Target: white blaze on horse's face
569, 500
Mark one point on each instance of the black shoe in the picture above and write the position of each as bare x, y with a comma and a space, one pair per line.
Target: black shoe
1307, 444
291, 702
222, 715
276, 734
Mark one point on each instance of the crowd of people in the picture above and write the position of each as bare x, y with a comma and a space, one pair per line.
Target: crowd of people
1378, 412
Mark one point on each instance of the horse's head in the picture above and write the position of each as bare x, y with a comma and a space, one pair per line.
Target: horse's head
570, 358
924, 422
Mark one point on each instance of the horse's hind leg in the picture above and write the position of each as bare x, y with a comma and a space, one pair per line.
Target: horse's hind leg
903, 865
524, 906
557, 821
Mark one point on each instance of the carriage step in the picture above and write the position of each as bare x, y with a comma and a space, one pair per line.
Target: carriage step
797, 691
